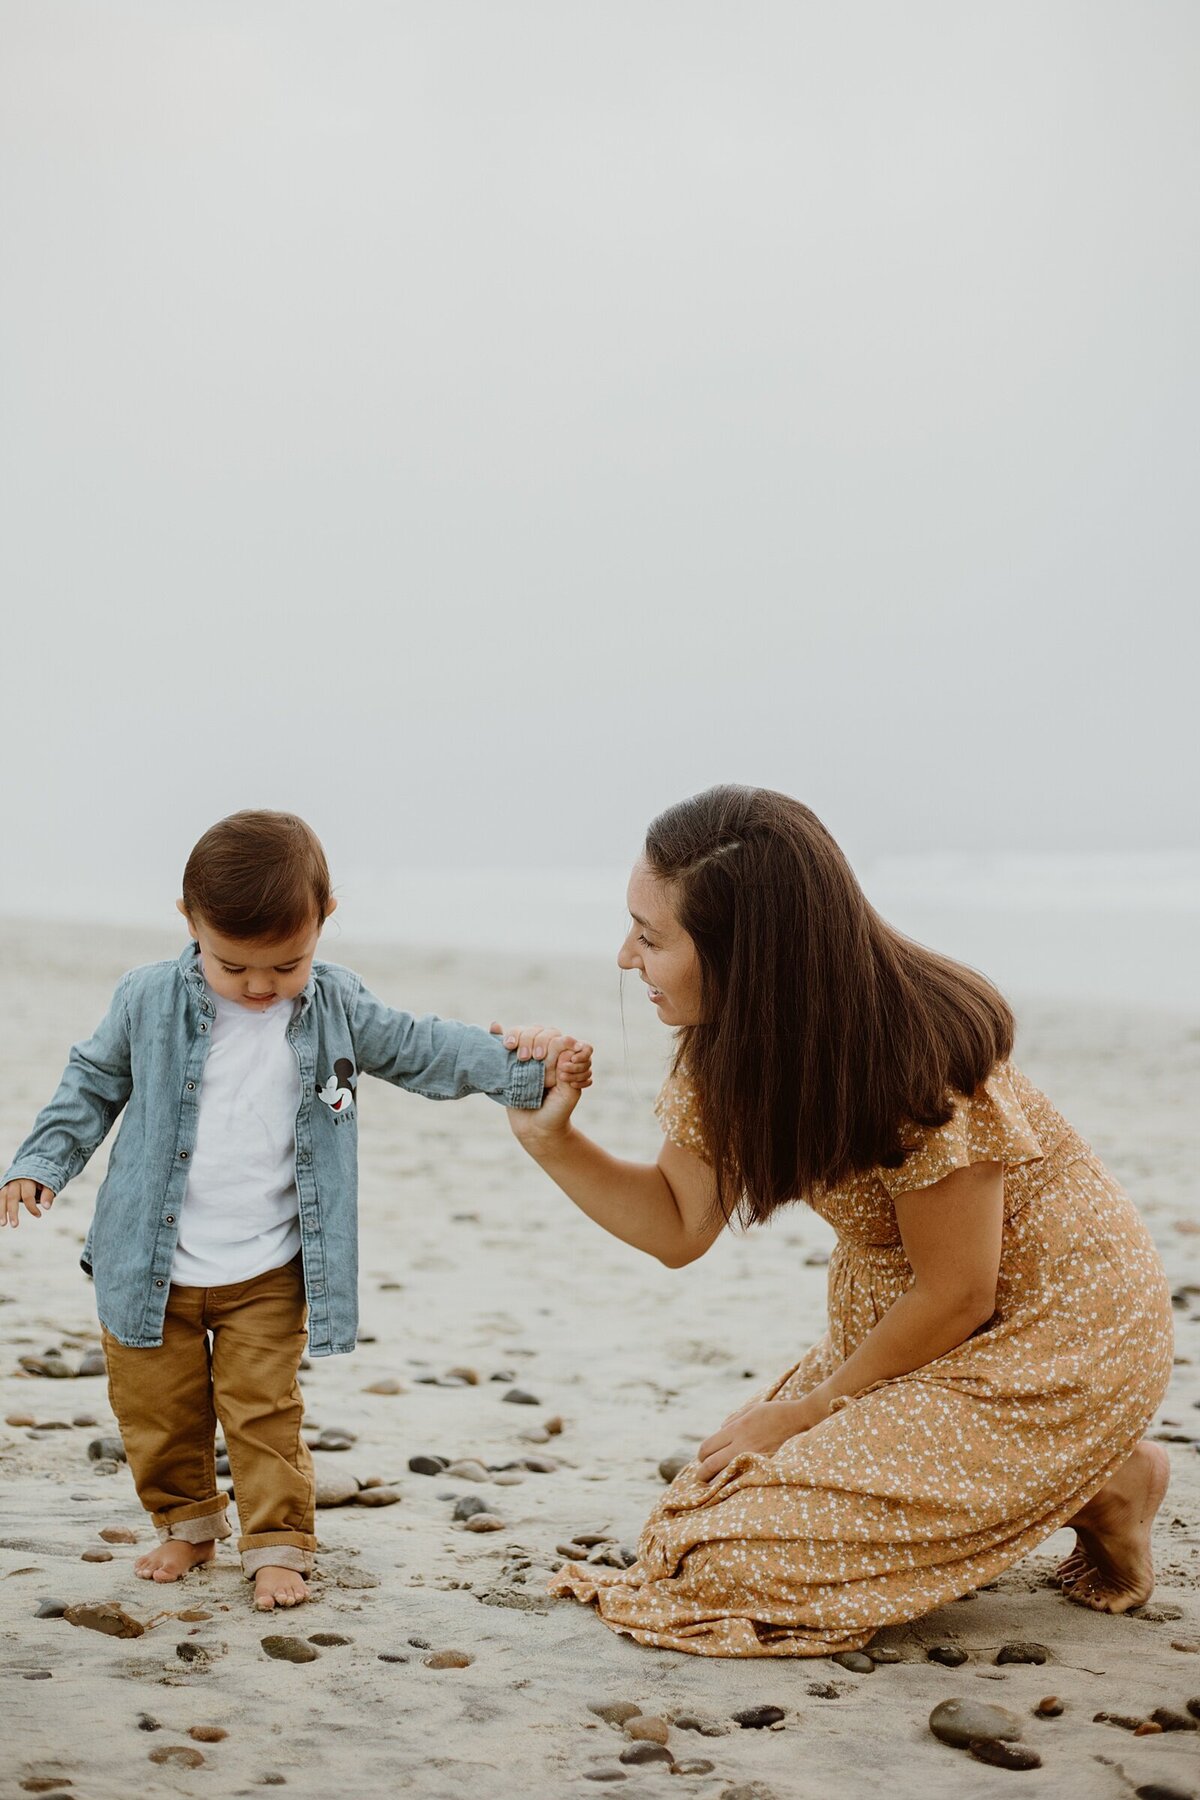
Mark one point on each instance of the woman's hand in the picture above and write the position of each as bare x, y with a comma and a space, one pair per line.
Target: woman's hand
568, 1071
759, 1429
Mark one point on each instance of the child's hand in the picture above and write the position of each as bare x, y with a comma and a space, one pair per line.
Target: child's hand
566, 1059
34, 1195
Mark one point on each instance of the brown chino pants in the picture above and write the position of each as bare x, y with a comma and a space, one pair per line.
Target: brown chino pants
228, 1353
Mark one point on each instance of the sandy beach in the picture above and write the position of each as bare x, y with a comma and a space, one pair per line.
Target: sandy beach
473, 1263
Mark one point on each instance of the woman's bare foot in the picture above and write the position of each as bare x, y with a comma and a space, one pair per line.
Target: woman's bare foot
278, 1587
1111, 1568
173, 1558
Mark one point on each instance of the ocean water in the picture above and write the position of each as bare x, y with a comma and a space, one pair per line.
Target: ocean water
1104, 928
1122, 928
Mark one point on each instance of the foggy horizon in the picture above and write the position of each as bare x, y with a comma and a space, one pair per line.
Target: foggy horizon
476, 428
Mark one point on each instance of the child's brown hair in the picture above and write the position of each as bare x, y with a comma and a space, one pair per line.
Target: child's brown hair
258, 876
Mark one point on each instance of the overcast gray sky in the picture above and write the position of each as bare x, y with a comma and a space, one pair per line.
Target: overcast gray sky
477, 425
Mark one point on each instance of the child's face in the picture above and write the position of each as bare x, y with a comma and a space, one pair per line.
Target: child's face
661, 951
255, 975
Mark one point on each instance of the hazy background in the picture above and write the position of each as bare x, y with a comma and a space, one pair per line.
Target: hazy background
477, 425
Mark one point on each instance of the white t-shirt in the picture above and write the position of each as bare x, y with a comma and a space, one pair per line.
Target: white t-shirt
241, 1211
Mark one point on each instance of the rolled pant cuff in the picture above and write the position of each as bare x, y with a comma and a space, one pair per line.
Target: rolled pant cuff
276, 1556
195, 1531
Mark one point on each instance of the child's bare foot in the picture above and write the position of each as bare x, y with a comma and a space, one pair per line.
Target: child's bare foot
1111, 1568
173, 1558
278, 1587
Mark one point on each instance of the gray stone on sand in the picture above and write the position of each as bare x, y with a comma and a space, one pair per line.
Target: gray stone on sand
51, 1609
518, 1397
468, 1505
960, 1722
335, 1440
1002, 1755
1022, 1653
467, 1470
106, 1449
707, 1727
950, 1656
289, 1649
857, 1661
378, 1496
428, 1465
336, 1489
647, 1728
53, 1366
757, 1718
1170, 1720
178, 1756
615, 1712
670, 1466
484, 1521
93, 1363
646, 1753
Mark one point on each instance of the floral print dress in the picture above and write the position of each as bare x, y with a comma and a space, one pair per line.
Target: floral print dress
925, 1486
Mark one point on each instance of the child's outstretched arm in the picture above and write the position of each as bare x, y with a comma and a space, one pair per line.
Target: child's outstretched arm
96, 1083
443, 1059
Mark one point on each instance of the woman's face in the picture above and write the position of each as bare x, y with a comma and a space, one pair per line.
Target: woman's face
660, 950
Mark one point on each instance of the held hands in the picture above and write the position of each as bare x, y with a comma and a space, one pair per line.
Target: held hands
568, 1071
35, 1196
760, 1428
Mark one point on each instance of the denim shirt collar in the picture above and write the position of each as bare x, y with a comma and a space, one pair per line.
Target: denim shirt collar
193, 980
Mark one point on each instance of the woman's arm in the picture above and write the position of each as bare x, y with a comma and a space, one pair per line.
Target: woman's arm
667, 1208
951, 1234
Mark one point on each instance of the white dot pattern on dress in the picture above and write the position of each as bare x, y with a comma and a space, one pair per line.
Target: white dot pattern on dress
926, 1486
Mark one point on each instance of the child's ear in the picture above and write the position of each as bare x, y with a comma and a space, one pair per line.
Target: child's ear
331, 908
182, 908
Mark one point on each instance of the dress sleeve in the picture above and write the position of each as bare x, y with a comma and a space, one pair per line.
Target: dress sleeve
990, 1126
677, 1113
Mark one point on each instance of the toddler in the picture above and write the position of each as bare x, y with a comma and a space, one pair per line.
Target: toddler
225, 1231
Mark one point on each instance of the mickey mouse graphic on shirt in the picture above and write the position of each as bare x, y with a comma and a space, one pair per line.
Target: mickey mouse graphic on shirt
338, 1091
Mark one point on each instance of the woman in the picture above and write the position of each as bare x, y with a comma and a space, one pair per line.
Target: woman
999, 1321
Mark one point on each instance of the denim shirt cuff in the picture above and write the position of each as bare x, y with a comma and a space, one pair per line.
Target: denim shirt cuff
526, 1083
36, 1168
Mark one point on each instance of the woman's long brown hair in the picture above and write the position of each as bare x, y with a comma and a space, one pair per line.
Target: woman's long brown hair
827, 1036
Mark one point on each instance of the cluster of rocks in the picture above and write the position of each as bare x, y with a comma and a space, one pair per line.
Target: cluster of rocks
1162, 1718
990, 1733
42, 1427
53, 1364
648, 1740
599, 1547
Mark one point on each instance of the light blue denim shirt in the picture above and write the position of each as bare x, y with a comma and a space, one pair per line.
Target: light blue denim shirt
147, 1056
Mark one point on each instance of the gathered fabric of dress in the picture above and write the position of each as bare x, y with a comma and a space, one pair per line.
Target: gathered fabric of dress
925, 1486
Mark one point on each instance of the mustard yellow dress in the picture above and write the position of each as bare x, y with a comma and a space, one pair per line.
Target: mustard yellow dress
925, 1486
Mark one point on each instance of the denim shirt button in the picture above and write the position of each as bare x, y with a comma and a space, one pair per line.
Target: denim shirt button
183, 1156
160, 1284
191, 1087
303, 1157
169, 1219
203, 1026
